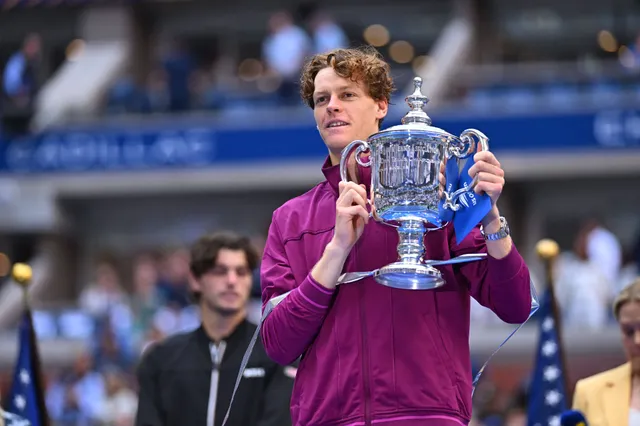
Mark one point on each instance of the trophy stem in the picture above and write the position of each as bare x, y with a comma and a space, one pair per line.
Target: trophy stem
410, 272
411, 247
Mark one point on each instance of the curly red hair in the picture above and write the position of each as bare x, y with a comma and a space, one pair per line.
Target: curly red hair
364, 65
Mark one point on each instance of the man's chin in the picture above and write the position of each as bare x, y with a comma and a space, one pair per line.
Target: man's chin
227, 311
336, 143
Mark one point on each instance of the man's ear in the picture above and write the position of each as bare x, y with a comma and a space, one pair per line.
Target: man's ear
383, 108
194, 283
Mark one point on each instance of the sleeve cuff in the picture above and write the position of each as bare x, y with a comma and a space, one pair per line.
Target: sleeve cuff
314, 294
507, 268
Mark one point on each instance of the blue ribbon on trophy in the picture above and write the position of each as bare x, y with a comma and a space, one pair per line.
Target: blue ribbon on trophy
475, 206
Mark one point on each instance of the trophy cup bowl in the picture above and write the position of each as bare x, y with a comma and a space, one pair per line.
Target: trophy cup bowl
405, 187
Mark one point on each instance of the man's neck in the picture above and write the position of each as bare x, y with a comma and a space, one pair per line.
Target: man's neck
335, 158
219, 327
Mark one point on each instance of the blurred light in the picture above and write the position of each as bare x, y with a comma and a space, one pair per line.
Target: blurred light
625, 56
5, 265
376, 35
419, 62
607, 41
75, 49
401, 51
250, 69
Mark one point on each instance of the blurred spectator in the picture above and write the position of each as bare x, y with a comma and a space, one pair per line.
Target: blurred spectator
213, 87
120, 403
174, 282
124, 97
583, 289
106, 292
146, 299
327, 34
20, 86
516, 412
515, 416
111, 348
76, 398
284, 51
158, 92
178, 66
604, 251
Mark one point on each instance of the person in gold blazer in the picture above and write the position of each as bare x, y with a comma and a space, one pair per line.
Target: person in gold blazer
612, 398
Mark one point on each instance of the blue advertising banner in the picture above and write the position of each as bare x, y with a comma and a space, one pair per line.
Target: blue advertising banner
172, 146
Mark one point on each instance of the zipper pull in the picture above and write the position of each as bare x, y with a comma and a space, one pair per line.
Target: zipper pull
217, 352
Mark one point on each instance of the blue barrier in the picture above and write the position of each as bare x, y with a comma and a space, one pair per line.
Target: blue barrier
179, 145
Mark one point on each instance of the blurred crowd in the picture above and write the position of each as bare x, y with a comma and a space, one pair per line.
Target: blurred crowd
182, 80
124, 309
184, 76
127, 305
117, 315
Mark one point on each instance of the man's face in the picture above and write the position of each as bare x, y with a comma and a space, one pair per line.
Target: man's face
344, 111
226, 287
629, 319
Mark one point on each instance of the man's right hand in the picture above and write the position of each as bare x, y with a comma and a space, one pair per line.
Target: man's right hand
351, 215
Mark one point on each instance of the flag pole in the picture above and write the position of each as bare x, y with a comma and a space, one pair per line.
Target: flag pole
548, 250
23, 275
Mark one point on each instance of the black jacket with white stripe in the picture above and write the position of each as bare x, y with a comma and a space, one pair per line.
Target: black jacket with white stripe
180, 385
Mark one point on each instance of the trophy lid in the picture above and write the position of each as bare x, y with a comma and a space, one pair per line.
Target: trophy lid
417, 119
417, 101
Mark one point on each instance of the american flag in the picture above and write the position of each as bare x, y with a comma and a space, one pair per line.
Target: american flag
25, 403
547, 391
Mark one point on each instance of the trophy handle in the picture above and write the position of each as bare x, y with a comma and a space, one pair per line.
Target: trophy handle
344, 173
362, 147
468, 148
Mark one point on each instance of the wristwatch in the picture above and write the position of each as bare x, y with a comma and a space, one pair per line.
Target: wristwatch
503, 232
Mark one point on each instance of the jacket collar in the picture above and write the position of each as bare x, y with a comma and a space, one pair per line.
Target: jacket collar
332, 174
232, 341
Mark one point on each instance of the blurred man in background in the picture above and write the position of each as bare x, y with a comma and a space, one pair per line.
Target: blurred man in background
284, 50
188, 379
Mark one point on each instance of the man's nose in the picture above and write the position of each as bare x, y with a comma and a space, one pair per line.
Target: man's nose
232, 277
334, 104
636, 337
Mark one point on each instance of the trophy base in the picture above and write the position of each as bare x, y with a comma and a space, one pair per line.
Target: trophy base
410, 276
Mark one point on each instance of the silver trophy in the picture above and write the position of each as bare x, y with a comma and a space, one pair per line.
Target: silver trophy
405, 190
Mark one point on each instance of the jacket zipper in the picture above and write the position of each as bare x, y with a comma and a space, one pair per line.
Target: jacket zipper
365, 353
217, 352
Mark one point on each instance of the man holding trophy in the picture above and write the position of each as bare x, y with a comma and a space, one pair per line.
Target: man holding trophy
368, 281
